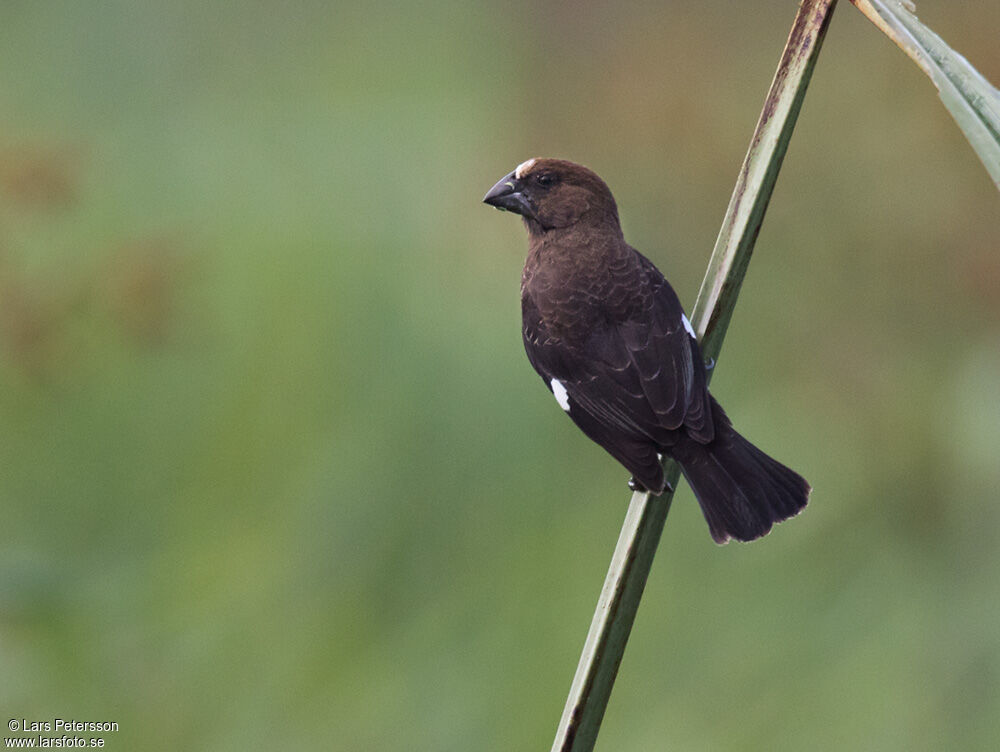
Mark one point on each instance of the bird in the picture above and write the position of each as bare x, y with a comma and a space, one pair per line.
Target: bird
610, 339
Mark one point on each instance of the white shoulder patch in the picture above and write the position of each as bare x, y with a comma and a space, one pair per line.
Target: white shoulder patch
562, 396
687, 325
523, 168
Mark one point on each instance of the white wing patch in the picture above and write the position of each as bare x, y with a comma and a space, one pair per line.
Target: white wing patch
562, 396
687, 325
522, 169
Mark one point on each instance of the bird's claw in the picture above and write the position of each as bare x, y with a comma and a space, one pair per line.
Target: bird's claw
637, 487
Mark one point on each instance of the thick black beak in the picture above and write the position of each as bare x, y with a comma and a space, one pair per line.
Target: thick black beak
506, 195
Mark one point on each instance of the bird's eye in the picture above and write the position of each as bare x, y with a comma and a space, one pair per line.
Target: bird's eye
545, 179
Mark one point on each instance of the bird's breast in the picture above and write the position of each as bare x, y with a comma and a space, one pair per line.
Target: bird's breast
570, 306
580, 289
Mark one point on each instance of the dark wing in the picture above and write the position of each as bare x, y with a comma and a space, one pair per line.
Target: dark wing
693, 405
639, 379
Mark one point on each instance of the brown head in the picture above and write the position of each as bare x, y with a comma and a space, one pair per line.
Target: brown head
553, 194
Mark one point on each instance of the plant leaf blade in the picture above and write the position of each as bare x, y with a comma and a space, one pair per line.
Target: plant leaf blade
973, 101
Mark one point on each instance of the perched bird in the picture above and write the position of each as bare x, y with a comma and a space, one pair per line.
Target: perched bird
609, 338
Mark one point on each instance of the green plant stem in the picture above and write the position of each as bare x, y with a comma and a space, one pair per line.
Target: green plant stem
646, 516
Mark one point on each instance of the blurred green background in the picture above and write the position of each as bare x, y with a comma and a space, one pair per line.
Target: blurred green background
275, 472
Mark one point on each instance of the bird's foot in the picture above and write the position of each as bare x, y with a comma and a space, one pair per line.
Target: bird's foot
636, 486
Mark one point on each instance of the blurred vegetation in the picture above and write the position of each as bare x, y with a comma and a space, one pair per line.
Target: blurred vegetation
275, 472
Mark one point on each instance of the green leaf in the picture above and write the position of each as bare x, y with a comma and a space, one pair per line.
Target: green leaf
972, 100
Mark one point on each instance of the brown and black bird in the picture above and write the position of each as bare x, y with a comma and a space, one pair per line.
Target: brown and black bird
609, 338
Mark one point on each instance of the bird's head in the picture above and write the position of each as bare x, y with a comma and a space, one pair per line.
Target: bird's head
553, 194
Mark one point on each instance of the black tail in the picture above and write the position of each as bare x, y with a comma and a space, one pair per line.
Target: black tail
742, 491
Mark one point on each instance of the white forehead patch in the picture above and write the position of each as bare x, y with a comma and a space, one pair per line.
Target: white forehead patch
562, 396
523, 168
687, 325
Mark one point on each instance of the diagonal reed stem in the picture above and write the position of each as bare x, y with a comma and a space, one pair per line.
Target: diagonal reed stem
646, 516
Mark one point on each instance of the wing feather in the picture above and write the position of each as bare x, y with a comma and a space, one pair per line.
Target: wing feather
640, 379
